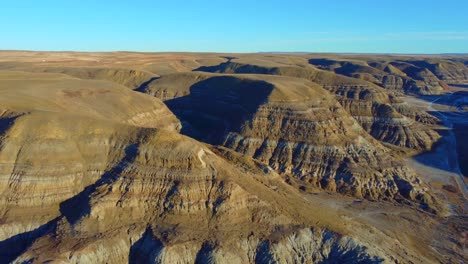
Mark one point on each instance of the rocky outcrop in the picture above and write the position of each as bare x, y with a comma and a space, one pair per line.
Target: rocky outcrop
299, 246
369, 104
400, 74
129, 194
416, 114
446, 70
94, 172
395, 76
295, 127
305, 244
55, 139
76, 187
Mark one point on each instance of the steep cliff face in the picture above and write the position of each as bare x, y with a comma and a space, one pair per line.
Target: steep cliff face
58, 135
152, 195
295, 127
413, 113
84, 190
79, 184
369, 104
300, 246
47, 158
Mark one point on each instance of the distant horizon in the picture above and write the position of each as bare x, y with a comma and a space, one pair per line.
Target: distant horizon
243, 26
214, 52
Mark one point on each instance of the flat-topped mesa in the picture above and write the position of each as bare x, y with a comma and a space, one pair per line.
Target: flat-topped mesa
294, 126
369, 104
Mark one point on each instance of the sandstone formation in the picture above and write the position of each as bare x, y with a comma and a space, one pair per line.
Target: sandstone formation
369, 104
408, 75
136, 158
291, 124
396, 76
81, 189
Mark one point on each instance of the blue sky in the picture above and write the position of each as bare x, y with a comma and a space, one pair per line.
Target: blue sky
378, 26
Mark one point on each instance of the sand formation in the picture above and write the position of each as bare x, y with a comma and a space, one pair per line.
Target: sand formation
222, 158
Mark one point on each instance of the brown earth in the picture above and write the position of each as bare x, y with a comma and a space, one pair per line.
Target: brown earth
220, 158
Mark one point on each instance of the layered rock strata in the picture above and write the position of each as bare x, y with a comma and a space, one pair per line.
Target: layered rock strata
295, 127
369, 104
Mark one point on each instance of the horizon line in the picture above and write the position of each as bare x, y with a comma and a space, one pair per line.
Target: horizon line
230, 52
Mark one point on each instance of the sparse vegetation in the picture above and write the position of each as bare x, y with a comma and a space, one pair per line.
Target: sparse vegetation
231, 158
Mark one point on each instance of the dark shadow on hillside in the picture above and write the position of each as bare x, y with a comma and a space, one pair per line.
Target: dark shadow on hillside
461, 133
460, 85
354, 255
216, 68
450, 152
142, 88
438, 157
229, 58
146, 249
416, 69
323, 62
13, 247
5, 124
337, 254
457, 99
205, 254
219, 105
234, 67
79, 206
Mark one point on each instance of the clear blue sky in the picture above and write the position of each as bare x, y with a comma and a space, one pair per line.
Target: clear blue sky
374, 26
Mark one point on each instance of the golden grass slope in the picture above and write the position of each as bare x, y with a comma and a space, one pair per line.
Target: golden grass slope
59, 93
